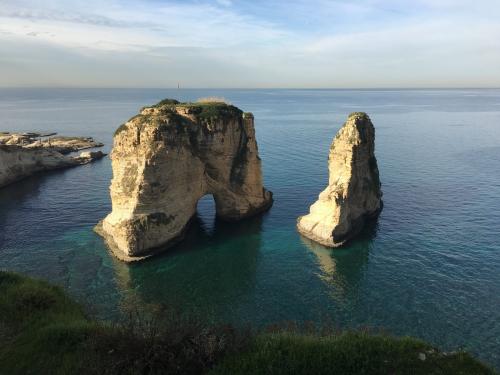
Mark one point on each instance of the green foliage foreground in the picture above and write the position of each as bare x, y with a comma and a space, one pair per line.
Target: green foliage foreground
42, 331
348, 353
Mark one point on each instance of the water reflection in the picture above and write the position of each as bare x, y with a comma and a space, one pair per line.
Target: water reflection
343, 269
209, 272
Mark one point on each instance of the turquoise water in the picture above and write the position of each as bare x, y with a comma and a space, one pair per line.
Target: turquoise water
429, 267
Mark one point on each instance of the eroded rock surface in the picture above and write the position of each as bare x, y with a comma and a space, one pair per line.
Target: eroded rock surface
168, 157
22, 155
63, 145
353, 194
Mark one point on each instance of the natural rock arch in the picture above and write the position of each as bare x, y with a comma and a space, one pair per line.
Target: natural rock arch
166, 159
205, 211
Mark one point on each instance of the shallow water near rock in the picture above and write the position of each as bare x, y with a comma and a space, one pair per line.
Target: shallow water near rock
429, 267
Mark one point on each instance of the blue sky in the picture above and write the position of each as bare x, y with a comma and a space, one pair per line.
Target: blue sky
231, 43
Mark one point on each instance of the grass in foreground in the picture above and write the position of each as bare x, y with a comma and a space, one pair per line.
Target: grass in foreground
42, 331
348, 353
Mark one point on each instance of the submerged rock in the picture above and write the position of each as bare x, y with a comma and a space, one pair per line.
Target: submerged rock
89, 156
353, 194
22, 155
168, 157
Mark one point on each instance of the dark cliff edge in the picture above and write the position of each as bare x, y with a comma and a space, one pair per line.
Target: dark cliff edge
43, 331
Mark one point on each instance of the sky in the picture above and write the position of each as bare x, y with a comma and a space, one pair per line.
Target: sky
250, 44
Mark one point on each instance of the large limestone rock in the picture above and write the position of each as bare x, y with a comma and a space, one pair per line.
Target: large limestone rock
22, 155
168, 157
353, 193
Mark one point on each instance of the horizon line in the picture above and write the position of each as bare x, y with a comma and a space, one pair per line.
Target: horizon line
247, 88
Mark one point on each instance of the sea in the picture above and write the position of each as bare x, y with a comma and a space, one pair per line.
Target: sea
429, 267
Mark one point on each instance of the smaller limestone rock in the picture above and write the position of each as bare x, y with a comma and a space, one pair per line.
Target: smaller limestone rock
353, 194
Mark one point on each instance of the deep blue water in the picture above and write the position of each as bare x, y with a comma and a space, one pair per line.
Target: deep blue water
430, 266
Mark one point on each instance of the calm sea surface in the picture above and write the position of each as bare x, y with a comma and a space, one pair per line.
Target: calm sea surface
430, 266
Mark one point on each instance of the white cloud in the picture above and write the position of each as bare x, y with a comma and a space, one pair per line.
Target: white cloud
267, 44
111, 26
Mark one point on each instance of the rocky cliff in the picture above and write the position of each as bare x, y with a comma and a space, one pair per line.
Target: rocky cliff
353, 193
22, 155
169, 156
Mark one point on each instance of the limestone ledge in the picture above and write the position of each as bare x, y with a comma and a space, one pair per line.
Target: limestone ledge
22, 155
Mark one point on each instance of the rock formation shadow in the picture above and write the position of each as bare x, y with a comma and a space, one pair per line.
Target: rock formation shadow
342, 269
14, 195
205, 275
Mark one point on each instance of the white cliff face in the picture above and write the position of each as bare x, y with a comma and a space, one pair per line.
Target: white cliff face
18, 162
353, 194
22, 155
168, 157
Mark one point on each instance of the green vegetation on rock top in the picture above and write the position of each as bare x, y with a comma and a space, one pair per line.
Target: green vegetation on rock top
121, 128
204, 111
213, 110
166, 102
363, 115
42, 331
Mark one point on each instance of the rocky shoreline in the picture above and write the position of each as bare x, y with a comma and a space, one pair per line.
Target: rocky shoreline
24, 154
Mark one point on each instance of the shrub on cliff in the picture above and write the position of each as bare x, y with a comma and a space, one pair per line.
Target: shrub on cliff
42, 331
